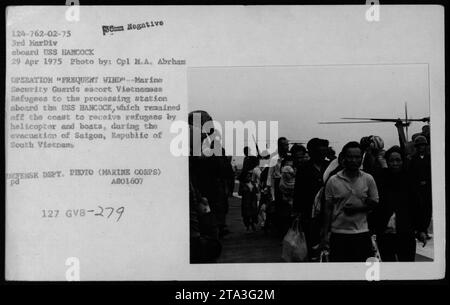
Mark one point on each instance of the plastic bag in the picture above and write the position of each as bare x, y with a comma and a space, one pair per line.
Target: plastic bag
294, 244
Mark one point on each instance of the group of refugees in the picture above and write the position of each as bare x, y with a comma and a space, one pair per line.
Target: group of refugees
340, 202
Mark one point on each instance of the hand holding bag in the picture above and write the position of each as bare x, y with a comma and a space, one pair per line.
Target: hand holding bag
324, 256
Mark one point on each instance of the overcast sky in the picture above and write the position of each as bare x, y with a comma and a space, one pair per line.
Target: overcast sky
299, 97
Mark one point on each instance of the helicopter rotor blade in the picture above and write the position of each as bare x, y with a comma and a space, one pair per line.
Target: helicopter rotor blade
352, 122
372, 119
427, 119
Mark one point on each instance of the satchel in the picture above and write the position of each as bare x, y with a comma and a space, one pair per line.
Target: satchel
317, 205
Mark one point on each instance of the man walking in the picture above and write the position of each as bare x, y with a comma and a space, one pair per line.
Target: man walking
420, 173
273, 180
308, 182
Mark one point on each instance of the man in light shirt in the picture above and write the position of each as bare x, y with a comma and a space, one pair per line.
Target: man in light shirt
349, 196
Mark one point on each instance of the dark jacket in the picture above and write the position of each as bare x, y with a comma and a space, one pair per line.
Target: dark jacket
308, 182
204, 244
396, 196
420, 170
206, 174
420, 174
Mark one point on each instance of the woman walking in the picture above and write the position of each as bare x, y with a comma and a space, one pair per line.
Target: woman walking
397, 219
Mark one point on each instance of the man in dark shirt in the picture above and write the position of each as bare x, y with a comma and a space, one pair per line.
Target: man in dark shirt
420, 171
308, 181
245, 168
273, 182
205, 194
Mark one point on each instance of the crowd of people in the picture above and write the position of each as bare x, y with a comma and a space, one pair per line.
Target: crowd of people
341, 202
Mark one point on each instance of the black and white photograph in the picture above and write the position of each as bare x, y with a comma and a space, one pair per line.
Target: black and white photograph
346, 178
231, 143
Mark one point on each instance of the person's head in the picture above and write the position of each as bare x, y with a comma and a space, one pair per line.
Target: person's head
253, 162
299, 154
224, 154
196, 120
352, 156
287, 161
394, 158
283, 146
426, 130
414, 136
365, 143
317, 149
248, 176
246, 151
420, 143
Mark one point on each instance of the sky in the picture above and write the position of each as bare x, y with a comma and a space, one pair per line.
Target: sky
299, 97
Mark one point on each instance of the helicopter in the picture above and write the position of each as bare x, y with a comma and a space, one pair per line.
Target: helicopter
399, 123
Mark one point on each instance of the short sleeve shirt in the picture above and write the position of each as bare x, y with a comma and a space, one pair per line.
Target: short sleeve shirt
274, 169
341, 190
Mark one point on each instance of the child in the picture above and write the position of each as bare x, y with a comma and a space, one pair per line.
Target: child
287, 183
263, 209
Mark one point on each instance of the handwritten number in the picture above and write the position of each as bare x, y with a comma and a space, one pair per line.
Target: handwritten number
101, 212
120, 212
112, 210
